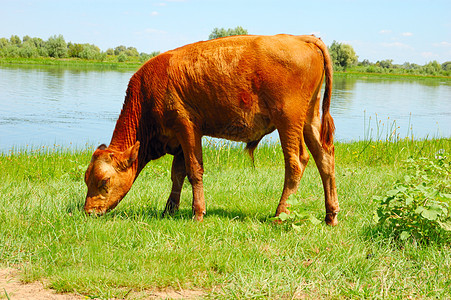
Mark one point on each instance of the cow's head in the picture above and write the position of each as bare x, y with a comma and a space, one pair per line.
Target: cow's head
109, 177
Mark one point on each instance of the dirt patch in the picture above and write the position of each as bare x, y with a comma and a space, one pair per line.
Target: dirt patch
11, 287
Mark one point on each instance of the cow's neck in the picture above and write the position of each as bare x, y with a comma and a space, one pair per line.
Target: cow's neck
127, 130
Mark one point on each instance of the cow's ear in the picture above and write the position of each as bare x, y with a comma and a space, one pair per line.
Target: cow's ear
131, 154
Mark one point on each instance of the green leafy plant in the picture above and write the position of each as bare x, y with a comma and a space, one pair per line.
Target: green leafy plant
418, 207
297, 215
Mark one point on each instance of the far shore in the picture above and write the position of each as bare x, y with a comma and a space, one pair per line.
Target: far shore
112, 64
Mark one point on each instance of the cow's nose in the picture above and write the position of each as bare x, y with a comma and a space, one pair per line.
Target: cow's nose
92, 210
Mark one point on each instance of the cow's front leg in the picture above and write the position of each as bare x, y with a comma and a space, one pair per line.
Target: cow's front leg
178, 174
191, 142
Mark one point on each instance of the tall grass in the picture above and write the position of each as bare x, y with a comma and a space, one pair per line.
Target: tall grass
237, 252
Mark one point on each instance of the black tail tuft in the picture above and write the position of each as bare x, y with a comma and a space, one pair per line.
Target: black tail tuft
250, 148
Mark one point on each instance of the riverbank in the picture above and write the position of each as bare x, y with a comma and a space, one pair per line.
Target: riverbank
237, 251
360, 74
112, 64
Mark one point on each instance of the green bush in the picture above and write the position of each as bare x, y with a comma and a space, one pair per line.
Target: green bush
28, 50
122, 57
56, 46
418, 207
90, 52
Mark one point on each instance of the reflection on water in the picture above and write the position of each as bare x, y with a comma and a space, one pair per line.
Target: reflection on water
47, 106
374, 107
52, 105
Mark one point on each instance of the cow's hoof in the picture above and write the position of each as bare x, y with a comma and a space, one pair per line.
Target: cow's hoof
331, 219
199, 217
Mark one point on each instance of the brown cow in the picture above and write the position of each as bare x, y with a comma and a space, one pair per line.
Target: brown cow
238, 88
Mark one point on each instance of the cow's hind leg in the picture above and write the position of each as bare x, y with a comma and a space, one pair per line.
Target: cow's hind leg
325, 161
178, 174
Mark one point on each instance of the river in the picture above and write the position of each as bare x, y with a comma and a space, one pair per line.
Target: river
72, 108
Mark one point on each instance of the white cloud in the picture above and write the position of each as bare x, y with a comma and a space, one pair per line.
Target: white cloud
154, 13
385, 31
407, 34
442, 44
398, 45
429, 55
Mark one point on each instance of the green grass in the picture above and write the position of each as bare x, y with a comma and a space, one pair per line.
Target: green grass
237, 252
109, 63
356, 72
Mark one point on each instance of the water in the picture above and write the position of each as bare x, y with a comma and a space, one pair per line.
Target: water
55, 106
50, 106
381, 109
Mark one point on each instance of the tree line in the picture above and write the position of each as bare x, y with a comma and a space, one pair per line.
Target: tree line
343, 55
345, 59
56, 47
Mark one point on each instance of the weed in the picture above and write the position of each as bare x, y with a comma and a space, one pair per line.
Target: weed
418, 206
297, 215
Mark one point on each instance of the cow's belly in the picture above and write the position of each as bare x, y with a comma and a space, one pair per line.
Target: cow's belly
240, 129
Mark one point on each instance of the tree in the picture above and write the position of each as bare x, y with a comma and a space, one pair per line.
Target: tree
122, 57
432, 68
143, 57
56, 46
446, 66
343, 55
131, 51
38, 42
3, 43
365, 63
90, 52
386, 63
15, 40
74, 50
119, 49
221, 32
28, 49
110, 51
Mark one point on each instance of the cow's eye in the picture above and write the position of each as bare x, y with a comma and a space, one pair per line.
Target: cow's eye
104, 183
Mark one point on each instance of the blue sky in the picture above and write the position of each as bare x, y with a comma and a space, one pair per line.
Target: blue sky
417, 31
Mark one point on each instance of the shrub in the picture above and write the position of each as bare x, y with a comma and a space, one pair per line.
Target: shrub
90, 52
418, 207
131, 51
74, 50
122, 57
28, 50
56, 46
143, 57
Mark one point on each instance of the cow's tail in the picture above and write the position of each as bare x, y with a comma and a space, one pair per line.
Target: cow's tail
327, 122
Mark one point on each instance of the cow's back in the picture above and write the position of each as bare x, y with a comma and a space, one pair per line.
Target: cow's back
230, 87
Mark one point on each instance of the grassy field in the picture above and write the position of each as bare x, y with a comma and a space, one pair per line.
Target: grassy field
237, 252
